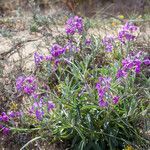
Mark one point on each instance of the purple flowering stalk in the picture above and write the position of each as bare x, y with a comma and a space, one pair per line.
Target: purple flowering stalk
37, 108
10, 115
131, 63
56, 63
88, 42
6, 118
54, 57
127, 33
26, 85
14, 114
103, 89
50, 106
74, 25
38, 58
146, 61
49, 58
57, 50
5, 130
19, 83
115, 99
71, 47
108, 43
39, 114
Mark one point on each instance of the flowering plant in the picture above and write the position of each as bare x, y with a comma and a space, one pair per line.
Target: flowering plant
74, 97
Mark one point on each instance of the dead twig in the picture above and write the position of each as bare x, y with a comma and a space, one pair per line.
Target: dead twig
15, 48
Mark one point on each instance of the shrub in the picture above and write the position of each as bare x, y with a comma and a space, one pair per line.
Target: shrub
85, 91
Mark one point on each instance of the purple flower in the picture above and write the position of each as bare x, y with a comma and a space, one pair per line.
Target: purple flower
5, 131
101, 91
36, 105
4, 117
121, 73
36, 109
12, 114
57, 50
29, 85
39, 114
73, 25
1, 126
105, 82
19, 83
56, 62
127, 64
147, 61
88, 42
26, 84
103, 87
137, 64
1, 118
131, 63
38, 58
71, 47
50, 105
108, 43
115, 99
35, 95
130, 26
138, 69
49, 58
103, 103
126, 33
125, 36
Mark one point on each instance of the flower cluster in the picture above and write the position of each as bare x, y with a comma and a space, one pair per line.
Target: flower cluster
115, 99
38, 110
103, 89
38, 58
57, 50
88, 42
14, 114
41, 58
55, 54
73, 25
26, 85
71, 47
108, 43
5, 130
131, 63
147, 61
127, 33
5, 118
